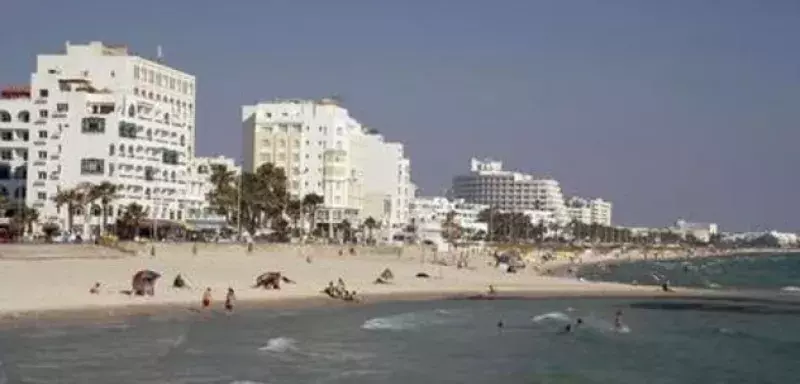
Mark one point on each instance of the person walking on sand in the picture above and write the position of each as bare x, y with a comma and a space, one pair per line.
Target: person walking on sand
229, 299
207, 298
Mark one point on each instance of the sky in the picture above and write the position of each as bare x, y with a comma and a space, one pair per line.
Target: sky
670, 109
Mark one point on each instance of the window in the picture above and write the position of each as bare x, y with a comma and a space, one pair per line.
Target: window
44, 93
127, 130
5, 155
148, 174
42, 155
43, 113
111, 149
92, 166
62, 107
111, 169
131, 111
7, 136
136, 72
42, 175
93, 125
41, 196
42, 134
170, 157
23, 116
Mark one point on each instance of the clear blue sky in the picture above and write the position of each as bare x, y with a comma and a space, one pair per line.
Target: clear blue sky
684, 108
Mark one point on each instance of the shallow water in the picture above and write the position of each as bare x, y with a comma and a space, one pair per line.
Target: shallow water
756, 271
425, 342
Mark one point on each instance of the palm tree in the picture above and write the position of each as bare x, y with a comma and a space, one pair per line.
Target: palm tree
295, 211
70, 198
346, 229
451, 230
106, 192
371, 224
87, 194
132, 219
311, 203
223, 195
29, 216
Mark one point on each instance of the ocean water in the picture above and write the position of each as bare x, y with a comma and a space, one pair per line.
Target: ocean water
754, 271
452, 341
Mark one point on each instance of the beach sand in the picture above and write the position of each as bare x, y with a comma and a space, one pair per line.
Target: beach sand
35, 279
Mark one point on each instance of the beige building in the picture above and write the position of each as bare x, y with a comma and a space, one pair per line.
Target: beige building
327, 152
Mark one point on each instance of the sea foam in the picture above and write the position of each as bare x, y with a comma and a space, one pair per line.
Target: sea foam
409, 320
279, 344
558, 316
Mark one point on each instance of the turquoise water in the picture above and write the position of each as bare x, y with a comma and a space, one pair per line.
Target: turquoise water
455, 341
757, 271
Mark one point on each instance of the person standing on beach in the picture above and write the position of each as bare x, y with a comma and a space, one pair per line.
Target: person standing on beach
229, 299
207, 298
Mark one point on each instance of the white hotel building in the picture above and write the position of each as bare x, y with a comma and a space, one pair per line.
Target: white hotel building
95, 113
540, 198
586, 211
325, 151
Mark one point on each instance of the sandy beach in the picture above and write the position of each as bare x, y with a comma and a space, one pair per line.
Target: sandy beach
46, 278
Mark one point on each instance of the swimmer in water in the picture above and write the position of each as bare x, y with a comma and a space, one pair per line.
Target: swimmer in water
578, 322
567, 329
500, 324
618, 320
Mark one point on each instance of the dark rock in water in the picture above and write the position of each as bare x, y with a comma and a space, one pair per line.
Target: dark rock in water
423, 275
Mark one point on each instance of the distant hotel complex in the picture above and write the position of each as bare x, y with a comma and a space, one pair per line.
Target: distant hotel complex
541, 198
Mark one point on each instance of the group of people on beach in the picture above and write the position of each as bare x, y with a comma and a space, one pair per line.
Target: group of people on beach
339, 291
230, 297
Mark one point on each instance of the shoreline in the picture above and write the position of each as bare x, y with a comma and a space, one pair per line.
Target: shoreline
561, 268
56, 287
99, 315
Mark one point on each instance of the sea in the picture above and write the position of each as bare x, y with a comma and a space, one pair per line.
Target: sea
750, 339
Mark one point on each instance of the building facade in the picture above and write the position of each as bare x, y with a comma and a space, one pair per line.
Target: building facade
96, 113
488, 184
586, 211
325, 151
434, 210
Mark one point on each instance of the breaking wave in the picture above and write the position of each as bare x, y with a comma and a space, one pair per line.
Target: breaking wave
280, 344
557, 316
410, 320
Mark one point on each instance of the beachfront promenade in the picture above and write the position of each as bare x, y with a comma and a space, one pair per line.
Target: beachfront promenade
36, 278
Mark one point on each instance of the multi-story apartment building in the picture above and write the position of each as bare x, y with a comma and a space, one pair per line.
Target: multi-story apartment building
594, 211
95, 113
325, 151
488, 184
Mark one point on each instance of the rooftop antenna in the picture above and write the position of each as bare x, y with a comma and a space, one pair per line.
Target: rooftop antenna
159, 54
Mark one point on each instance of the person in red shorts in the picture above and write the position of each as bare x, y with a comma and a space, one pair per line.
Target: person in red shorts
207, 298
